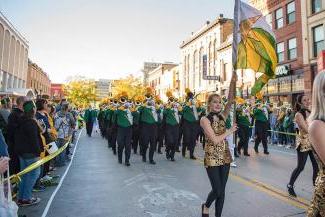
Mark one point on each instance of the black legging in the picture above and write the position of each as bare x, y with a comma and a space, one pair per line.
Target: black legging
243, 134
301, 162
261, 134
218, 177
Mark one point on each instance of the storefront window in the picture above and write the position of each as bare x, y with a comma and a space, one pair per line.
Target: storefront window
272, 86
297, 84
285, 85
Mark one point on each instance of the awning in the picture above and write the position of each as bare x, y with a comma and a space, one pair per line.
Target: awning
18, 92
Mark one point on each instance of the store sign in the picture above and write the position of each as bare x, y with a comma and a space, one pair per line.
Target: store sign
321, 61
205, 70
282, 70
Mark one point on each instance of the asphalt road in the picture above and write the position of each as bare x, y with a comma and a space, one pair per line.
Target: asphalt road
96, 185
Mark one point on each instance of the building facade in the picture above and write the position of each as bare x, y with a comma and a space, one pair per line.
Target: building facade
13, 57
199, 58
285, 17
103, 88
164, 77
38, 80
313, 33
148, 67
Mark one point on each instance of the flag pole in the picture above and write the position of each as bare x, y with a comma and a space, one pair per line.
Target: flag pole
234, 55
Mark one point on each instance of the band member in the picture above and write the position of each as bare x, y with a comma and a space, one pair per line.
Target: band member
113, 125
89, 118
160, 124
243, 123
260, 113
172, 120
100, 118
124, 121
148, 122
136, 127
303, 144
190, 123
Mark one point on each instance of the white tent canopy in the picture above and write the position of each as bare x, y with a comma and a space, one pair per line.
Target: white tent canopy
18, 92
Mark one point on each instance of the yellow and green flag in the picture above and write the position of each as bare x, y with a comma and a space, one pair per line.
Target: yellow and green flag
254, 44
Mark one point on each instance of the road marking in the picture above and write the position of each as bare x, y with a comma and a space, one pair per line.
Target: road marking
62, 179
298, 202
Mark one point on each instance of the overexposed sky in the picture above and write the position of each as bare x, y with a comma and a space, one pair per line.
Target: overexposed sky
107, 38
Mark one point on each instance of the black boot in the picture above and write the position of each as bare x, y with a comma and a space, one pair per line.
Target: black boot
291, 190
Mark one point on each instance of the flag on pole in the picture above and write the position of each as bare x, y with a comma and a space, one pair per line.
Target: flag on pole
254, 44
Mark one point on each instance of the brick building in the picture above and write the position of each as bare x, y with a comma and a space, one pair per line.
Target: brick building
291, 77
38, 80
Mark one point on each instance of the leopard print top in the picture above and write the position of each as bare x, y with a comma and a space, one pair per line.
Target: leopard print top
217, 154
317, 206
303, 142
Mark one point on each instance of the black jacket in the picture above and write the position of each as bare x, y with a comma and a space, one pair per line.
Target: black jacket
27, 138
13, 123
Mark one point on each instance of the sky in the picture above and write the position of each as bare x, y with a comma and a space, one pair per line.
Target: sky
107, 38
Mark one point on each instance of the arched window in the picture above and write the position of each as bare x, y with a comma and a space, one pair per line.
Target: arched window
194, 67
17, 58
214, 57
200, 66
6, 49
2, 35
12, 55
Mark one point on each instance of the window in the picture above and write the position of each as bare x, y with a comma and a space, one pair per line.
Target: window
268, 19
318, 39
291, 12
280, 51
316, 6
292, 48
224, 72
279, 18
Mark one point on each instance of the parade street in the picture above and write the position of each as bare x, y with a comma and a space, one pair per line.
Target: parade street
96, 185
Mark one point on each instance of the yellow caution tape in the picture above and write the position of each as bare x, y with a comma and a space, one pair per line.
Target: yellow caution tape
290, 134
16, 177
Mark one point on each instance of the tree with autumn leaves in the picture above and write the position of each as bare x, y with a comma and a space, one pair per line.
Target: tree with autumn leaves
80, 92
131, 85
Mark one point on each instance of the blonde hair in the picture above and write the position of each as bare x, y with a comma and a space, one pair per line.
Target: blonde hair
210, 98
318, 97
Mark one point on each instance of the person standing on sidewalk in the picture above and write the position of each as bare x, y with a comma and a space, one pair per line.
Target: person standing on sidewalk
124, 121
63, 123
13, 123
148, 126
28, 146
